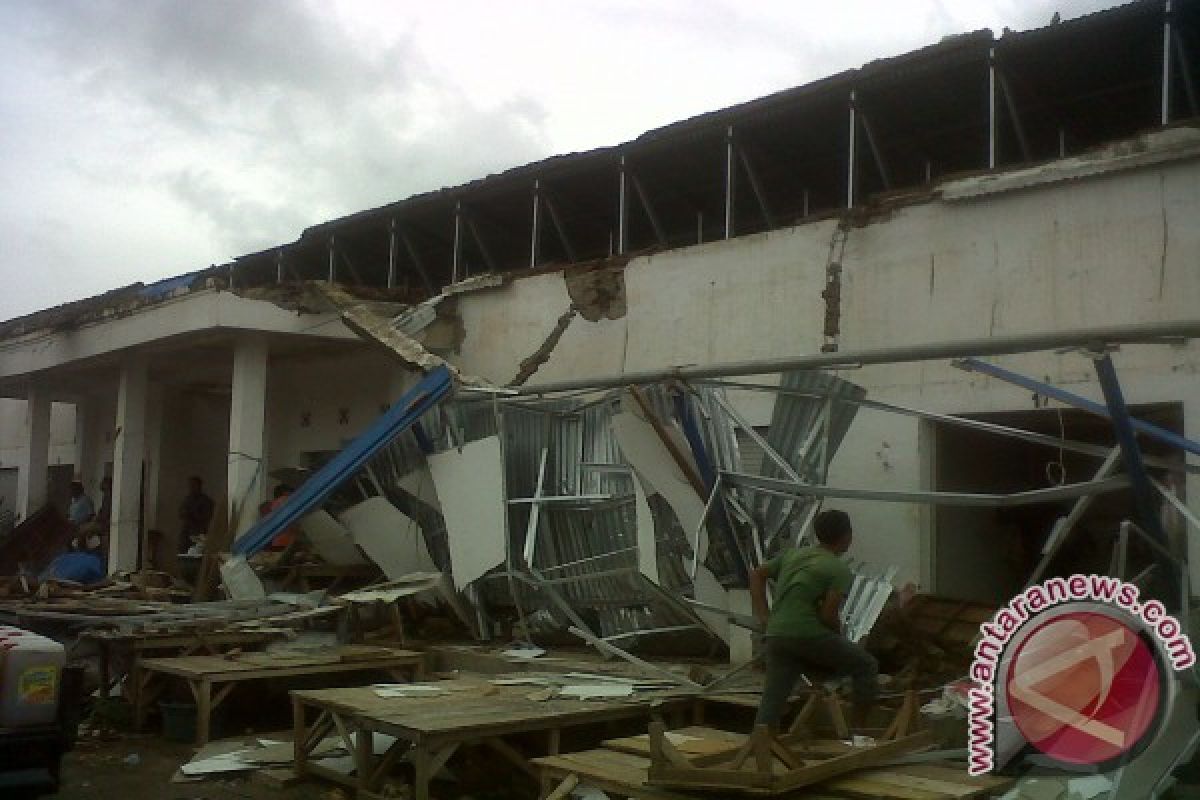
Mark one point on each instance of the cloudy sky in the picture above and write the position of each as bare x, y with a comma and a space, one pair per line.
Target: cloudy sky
145, 138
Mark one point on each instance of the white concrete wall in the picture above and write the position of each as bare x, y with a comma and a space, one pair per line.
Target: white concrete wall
13, 442
364, 384
1115, 248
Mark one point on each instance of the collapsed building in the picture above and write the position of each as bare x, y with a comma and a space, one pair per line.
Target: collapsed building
1028, 195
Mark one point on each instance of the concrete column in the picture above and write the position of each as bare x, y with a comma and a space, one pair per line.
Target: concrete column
155, 400
247, 432
129, 450
32, 472
89, 454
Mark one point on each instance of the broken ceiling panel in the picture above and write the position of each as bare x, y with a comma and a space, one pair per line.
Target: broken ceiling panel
470, 485
642, 447
331, 540
389, 538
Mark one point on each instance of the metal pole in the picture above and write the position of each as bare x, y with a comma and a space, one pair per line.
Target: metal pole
730, 175
851, 163
552, 207
1138, 333
535, 238
411, 249
876, 153
756, 186
279, 266
1166, 63
391, 279
1131, 452
660, 233
457, 251
622, 209
1072, 399
332, 260
992, 107
1010, 104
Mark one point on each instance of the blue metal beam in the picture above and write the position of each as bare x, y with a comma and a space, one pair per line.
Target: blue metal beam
1071, 399
431, 390
1145, 509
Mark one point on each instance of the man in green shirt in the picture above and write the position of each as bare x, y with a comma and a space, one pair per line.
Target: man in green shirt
804, 631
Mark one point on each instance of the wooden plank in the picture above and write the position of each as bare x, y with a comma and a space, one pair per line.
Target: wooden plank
815, 773
942, 788
703, 745
615, 773
564, 788
957, 775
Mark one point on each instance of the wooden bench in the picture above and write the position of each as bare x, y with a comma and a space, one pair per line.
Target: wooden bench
201, 673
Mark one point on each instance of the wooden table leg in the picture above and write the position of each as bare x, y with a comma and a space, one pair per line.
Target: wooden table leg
554, 741
422, 759
203, 691
364, 752
299, 735
428, 761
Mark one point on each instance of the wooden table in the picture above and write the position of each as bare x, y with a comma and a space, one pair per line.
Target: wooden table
136, 646
471, 711
202, 672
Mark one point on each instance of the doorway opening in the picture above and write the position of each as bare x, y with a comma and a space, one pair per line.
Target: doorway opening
986, 555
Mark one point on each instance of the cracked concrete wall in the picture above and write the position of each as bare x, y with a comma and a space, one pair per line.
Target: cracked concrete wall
1110, 248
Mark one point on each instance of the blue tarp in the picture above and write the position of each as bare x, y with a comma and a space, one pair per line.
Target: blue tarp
313, 492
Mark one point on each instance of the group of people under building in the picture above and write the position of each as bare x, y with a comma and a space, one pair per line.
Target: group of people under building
85, 560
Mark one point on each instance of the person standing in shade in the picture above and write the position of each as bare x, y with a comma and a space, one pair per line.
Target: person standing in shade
80, 510
195, 514
803, 628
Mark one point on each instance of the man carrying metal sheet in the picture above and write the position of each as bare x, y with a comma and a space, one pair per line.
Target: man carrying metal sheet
803, 628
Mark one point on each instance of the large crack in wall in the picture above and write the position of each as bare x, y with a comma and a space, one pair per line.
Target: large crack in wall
595, 294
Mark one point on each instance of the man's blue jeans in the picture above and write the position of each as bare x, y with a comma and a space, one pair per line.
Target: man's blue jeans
830, 655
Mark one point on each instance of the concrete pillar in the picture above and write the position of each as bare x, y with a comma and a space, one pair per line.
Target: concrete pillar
247, 432
89, 452
129, 450
33, 471
155, 400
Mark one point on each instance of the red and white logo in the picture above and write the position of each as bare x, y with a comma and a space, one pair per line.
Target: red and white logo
1084, 688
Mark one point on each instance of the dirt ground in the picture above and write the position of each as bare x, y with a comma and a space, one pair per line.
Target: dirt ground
135, 767
140, 767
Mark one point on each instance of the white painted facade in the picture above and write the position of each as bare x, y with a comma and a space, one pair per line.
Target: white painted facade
1084, 242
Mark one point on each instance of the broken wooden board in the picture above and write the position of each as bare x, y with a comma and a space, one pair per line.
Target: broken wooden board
779, 766
625, 775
